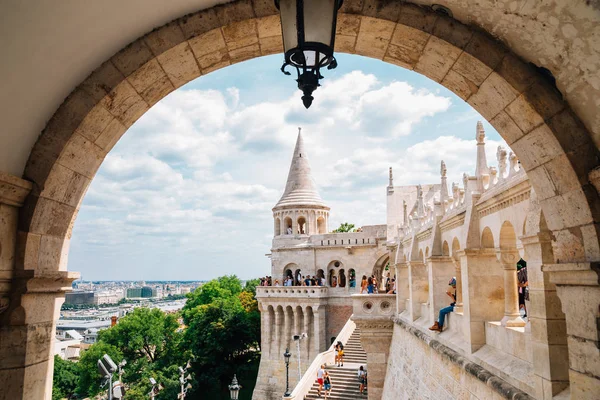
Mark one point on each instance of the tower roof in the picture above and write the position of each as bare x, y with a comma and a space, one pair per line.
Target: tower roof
300, 189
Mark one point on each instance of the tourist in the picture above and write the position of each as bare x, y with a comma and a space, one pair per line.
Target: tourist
290, 281
388, 283
327, 384
334, 281
375, 284
393, 287
289, 230
370, 285
363, 285
362, 378
276, 282
303, 281
439, 324
320, 373
323, 282
523, 284
340, 354
307, 281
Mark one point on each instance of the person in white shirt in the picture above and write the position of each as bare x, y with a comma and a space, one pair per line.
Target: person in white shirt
320, 373
362, 378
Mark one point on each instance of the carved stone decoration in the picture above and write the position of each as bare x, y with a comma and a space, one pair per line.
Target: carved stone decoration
493, 176
465, 180
501, 155
514, 162
443, 170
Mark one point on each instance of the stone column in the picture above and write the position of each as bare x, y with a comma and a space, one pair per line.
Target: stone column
512, 317
578, 288
418, 282
402, 292
319, 329
279, 319
459, 288
548, 325
376, 337
483, 293
441, 269
307, 345
265, 330
287, 331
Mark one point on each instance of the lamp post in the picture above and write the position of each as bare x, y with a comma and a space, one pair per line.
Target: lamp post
183, 381
308, 28
234, 388
287, 357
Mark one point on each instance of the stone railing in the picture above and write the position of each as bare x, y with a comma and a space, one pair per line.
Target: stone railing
291, 291
373, 306
324, 358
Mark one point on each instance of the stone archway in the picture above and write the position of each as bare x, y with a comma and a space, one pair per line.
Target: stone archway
554, 146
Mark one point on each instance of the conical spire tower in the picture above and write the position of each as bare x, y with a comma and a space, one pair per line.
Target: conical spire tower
300, 209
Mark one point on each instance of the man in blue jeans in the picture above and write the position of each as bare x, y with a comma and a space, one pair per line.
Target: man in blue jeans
439, 324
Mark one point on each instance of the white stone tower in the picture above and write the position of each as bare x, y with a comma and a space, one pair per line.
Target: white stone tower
300, 211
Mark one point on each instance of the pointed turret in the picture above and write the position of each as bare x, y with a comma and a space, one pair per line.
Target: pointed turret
481, 167
300, 211
300, 189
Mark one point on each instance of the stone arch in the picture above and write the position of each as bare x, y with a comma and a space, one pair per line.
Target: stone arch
526, 109
508, 237
455, 248
445, 249
426, 252
478, 68
277, 226
487, 238
287, 225
321, 227
302, 225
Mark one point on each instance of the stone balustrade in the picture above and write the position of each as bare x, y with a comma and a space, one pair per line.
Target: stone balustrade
373, 306
291, 291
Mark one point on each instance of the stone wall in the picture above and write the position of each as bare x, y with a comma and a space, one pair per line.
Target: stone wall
337, 316
420, 367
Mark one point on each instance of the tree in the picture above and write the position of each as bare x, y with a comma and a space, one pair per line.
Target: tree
89, 377
220, 288
345, 227
65, 379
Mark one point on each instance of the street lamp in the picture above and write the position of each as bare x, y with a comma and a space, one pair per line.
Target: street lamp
287, 355
234, 388
308, 28
183, 381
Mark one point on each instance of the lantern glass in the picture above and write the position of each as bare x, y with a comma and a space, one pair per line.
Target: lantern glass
289, 25
318, 21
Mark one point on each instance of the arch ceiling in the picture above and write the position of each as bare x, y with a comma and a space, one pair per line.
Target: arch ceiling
47, 50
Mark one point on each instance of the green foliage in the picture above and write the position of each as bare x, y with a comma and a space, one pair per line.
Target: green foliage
345, 227
220, 288
89, 377
251, 286
65, 379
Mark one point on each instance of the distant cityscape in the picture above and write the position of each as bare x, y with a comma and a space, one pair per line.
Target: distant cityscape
96, 305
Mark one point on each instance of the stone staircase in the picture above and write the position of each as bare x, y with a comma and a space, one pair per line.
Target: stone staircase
345, 379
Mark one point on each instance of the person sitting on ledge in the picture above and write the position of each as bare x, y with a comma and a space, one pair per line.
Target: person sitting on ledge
439, 325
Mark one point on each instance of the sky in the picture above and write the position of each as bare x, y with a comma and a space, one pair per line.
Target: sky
187, 192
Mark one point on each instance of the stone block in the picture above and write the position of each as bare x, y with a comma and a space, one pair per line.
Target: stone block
208, 43
132, 57
583, 387
389, 10
201, 22
157, 91
104, 79
263, 8
516, 72
146, 75
569, 130
345, 44
244, 53
406, 46
493, 95
417, 17
271, 45
437, 59
374, 37
472, 68
347, 24
111, 135
507, 128
164, 38
51, 217
82, 155
352, 6
240, 34
94, 123
486, 49
237, 11
179, 64
568, 244
52, 250
121, 100
591, 235
562, 175
545, 99
460, 85
269, 26
537, 148
216, 66
452, 31
523, 114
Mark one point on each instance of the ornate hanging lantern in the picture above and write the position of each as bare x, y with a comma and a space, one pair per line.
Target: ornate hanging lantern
308, 28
